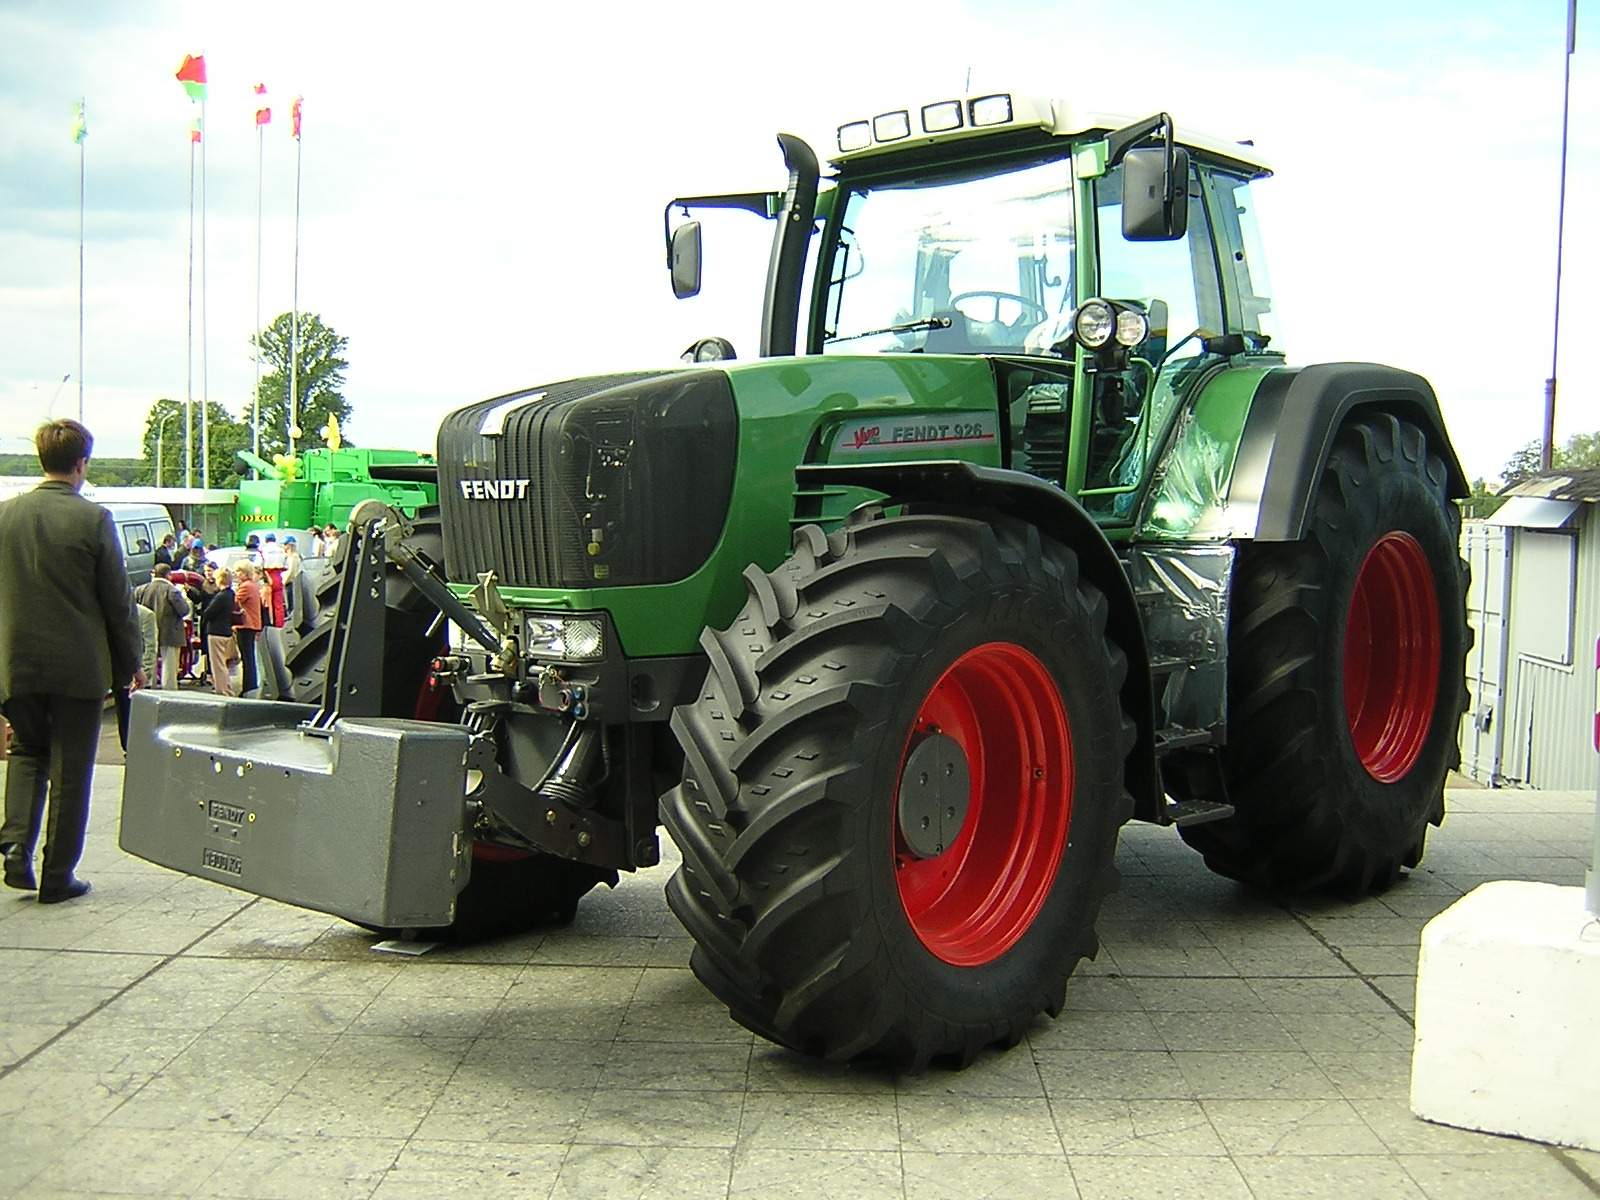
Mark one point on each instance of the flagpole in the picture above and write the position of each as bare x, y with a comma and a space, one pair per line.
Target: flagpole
294, 325
255, 396
81, 154
205, 369
1548, 442
188, 375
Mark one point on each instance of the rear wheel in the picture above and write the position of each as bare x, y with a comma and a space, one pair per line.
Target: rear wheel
1345, 686
902, 790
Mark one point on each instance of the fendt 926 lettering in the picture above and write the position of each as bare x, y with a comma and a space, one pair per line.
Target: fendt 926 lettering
1018, 527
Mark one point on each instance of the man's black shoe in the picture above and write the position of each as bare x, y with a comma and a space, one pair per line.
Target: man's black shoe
19, 870
70, 890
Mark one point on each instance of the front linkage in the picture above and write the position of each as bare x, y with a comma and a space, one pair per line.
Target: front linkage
344, 809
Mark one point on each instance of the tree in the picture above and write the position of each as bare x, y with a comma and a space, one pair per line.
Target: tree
163, 431
319, 374
1481, 501
1579, 450
1522, 464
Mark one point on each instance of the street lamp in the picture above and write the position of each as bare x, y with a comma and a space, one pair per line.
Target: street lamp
161, 437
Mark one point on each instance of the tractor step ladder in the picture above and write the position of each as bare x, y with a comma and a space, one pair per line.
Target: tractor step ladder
1197, 812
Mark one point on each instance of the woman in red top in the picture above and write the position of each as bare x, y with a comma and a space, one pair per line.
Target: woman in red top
247, 624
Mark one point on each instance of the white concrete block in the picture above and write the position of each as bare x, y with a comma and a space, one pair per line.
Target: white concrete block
1508, 1015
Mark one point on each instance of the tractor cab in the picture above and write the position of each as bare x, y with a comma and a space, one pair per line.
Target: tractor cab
1102, 267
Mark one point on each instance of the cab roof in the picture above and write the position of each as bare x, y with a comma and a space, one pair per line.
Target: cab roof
959, 118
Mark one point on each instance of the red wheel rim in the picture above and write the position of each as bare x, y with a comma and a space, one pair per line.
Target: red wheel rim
971, 903
1391, 657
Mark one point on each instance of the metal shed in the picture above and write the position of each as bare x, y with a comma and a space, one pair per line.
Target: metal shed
1534, 607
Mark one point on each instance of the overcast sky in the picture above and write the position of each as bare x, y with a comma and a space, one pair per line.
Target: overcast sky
483, 184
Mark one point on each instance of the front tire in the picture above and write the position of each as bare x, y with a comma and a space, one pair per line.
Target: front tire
832, 911
1345, 676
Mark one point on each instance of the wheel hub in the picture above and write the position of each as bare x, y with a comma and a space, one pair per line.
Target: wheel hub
1391, 657
935, 787
982, 803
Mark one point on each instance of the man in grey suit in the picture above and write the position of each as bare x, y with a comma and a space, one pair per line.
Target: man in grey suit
68, 635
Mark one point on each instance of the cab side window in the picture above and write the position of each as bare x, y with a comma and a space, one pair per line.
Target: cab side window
1242, 253
1176, 281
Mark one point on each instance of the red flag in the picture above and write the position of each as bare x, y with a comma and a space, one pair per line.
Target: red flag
294, 118
264, 113
192, 74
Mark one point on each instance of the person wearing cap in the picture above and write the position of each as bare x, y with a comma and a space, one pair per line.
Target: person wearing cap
294, 593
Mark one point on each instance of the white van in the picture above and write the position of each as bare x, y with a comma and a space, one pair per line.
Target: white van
140, 528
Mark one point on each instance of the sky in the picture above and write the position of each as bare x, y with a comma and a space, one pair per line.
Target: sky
482, 184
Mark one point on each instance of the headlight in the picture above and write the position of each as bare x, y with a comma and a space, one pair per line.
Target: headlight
892, 126
990, 110
855, 136
1132, 327
936, 118
567, 639
1094, 324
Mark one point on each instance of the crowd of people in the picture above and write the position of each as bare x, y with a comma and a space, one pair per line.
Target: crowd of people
224, 625
238, 614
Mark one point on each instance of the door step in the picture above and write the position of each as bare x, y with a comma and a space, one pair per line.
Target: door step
1176, 738
1197, 812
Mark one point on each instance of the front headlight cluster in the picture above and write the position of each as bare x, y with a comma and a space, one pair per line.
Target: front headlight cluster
1098, 322
566, 639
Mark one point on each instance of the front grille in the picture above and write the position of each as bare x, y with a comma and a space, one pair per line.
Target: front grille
628, 478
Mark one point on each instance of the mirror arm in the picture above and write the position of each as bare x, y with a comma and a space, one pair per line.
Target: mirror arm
763, 204
1119, 143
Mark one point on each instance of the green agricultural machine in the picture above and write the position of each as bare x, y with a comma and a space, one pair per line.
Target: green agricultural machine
328, 483
1018, 527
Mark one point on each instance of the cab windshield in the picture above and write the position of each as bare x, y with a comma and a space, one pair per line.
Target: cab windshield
954, 264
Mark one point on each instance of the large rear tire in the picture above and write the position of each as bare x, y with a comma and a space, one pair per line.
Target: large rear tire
1346, 682
843, 905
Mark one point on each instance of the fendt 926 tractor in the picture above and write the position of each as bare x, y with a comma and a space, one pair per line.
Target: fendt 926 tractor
1018, 527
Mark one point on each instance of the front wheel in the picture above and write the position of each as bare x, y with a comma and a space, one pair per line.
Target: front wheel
1345, 675
902, 790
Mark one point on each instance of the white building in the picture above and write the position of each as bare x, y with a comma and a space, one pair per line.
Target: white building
1534, 606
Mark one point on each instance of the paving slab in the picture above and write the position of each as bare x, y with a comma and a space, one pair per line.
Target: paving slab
169, 1037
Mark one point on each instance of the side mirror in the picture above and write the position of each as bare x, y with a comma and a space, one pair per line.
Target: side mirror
686, 260
1147, 214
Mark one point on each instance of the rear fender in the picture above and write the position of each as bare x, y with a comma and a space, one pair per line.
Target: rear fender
1293, 421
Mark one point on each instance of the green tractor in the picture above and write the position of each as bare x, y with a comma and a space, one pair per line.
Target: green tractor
1018, 527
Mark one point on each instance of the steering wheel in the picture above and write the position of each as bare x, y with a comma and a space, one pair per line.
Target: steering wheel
1038, 311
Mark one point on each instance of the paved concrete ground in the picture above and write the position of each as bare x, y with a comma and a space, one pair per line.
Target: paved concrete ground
167, 1037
